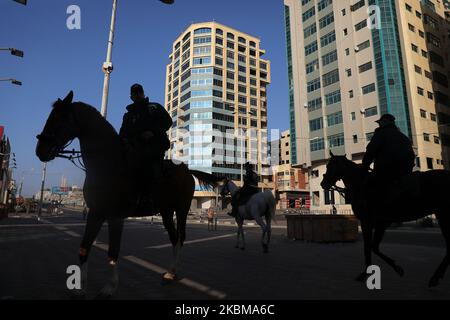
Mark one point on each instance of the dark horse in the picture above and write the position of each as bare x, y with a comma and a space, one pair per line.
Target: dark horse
431, 197
107, 187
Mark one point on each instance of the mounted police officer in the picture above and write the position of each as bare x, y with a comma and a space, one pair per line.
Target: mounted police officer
250, 188
144, 134
393, 157
390, 151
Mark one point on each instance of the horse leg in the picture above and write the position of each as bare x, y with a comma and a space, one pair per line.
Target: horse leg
366, 228
93, 226
181, 231
380, 229
444, 224
238, 232
263, 226
269, 229
167, 217
115, 228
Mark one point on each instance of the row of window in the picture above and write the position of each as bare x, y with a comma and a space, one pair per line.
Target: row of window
333, 141
332, 120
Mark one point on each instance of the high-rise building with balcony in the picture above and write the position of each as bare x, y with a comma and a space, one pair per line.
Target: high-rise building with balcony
216, 93
351, 61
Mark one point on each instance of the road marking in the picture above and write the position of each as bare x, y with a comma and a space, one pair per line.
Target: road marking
60, 228
73, 234
192, 241
185, 281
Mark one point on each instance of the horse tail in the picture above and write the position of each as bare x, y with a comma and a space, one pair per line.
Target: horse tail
206, 180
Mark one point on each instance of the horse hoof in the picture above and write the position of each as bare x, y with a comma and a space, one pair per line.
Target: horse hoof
399, 271
362, 277
168, 278
434, 282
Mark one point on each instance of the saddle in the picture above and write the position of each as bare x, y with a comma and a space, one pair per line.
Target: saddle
387, 194
146, 202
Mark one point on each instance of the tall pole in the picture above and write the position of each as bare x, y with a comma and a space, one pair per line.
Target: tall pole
107, 65
44, 171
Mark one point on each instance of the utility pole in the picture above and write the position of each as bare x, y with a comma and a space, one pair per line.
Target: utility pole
107, 65
44, 171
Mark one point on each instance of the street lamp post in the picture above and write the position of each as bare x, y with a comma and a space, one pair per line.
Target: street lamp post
41, 198
14, 52
107, 65
13, 81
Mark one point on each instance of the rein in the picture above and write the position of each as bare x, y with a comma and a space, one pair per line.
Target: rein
72, 156
340, 190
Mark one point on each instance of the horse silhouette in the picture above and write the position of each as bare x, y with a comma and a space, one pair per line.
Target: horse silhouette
107, 187
431, 197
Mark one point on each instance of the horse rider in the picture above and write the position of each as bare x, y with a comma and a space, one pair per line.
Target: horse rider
144, 135
391, 152
249, 188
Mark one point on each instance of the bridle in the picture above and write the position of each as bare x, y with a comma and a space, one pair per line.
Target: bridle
59, 148
334, 187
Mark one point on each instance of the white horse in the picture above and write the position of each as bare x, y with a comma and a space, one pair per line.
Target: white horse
261, 204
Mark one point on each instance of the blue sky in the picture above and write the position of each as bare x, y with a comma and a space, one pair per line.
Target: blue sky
58, 60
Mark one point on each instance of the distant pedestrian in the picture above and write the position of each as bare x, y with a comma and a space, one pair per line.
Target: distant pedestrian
211, 215
85, 212
334, 210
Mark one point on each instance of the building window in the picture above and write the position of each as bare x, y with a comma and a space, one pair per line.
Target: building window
357, 5
315, 124
408, 7
310, 30
365, 67
327, 39
430, 95
411, 27
330, 77
418, 14
368, 89
202, 31
420, 91
426, 137
325, 21
418, 69
315, 104
361, 25
436, 140
363, 45
329, 58
333, 97
312, 66
334, 119
430, 163
203, 60
317, 144
369, 112
355, 138
323, 4
310, 48
353, 116
433, 117
431, 38
350, 94
200, 40
313, 85
308, 14
423, 113
347, 51
336, 140
414, 47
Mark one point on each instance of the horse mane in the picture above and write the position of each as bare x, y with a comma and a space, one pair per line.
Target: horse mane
90, 114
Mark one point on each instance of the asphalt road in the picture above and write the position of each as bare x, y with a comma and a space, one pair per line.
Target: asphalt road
34, 257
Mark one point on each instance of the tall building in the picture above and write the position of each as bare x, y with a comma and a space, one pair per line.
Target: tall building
216, 93
350, 62
290, 183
